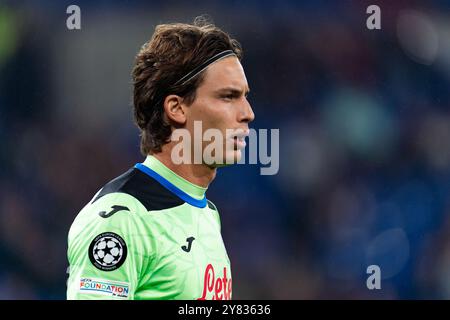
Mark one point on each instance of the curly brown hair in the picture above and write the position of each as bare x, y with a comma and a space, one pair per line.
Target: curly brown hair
173, 51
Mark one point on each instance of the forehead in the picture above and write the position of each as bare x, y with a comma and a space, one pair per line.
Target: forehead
225, 73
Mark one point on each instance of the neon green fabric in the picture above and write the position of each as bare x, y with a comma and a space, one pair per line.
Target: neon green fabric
117, 249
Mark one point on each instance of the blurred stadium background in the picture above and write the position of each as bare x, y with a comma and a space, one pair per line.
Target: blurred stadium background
364, 119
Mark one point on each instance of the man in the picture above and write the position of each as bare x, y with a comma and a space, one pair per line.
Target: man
151, 233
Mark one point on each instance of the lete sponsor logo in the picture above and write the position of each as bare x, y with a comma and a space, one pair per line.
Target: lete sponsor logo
104, 287
216, 288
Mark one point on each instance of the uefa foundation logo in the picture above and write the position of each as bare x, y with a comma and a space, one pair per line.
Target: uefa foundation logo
217, 148
105, 287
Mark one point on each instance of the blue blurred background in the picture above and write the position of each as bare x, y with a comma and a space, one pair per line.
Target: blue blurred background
364, 119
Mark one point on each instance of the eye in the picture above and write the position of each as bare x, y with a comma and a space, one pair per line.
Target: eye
228, 97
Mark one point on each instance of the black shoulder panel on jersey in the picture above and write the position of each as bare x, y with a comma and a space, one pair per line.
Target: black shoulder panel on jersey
212, 205
144, 188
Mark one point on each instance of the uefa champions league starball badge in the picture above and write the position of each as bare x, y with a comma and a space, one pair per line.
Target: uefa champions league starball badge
107, 251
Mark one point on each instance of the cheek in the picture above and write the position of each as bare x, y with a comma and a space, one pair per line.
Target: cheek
213, 114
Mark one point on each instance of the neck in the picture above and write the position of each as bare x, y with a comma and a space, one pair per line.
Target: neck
198, 174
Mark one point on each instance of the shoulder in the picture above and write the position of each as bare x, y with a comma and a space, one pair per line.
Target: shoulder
117, 216
215, 212
123, 205
149, 192
212, 205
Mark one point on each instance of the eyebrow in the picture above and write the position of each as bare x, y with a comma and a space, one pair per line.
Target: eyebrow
233, 90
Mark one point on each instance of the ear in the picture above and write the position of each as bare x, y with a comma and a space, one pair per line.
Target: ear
174, 109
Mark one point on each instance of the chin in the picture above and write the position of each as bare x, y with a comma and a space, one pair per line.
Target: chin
232, 157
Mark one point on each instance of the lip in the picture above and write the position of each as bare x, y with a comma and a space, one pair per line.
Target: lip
240, 142
240, 134
238, 137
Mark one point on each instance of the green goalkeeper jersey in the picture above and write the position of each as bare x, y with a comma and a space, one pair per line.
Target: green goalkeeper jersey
148, 234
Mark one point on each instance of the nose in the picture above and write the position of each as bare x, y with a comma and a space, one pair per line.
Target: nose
246, 115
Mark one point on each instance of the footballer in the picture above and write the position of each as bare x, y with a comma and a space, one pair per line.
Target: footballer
151, 233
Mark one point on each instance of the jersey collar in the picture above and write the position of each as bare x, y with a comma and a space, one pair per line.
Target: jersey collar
189, 192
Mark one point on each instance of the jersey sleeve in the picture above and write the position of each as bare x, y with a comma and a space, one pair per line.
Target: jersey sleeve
109, 249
